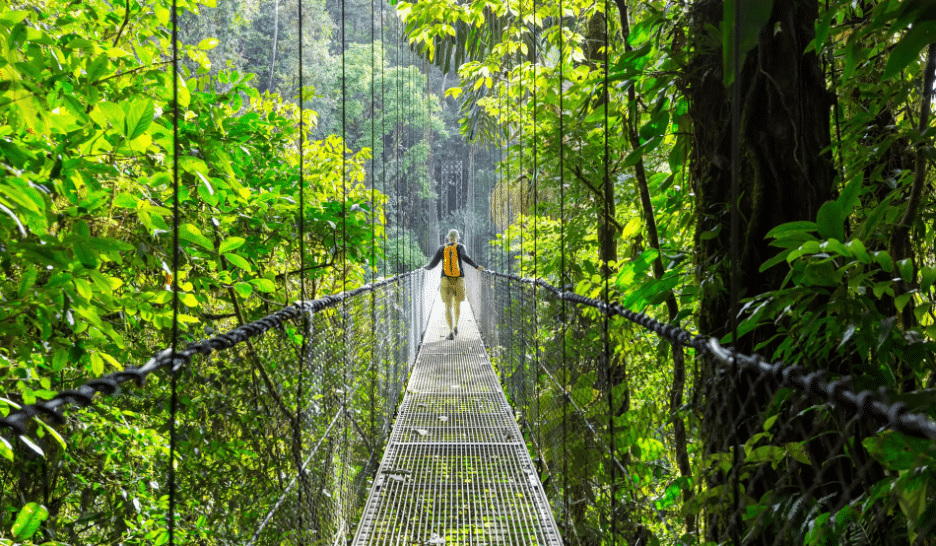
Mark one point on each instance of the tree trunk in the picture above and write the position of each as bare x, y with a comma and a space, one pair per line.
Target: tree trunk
607, 227
275, 36
784, 177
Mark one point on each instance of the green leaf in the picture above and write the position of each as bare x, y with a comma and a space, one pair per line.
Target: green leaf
84, 288
208, 43
770, 422
650, 449
6, 450
884, 260
28, 521
919, 311
858, 250
184, 96
263, 285
230, 244
880, 288
125, 200
244, 289
138, 118
190, 233
239, 261
909, 47
905, 267
97, 364
831, 221
798, 452
12, 18
833, 245
712, 233
792, 227
927, 278
848, 199
898, 452
114, 114
781, 257
51, 431
901, 301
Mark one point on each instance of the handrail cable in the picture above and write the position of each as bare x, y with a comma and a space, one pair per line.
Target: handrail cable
870, 404
108, 384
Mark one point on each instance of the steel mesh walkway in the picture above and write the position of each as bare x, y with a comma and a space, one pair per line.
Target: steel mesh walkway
456, 469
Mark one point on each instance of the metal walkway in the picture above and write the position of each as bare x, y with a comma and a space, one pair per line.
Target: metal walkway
456, 469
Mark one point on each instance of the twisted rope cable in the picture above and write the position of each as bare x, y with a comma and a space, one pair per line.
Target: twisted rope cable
867, 404
83, 396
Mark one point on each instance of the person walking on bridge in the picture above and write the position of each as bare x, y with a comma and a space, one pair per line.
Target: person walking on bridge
453, 256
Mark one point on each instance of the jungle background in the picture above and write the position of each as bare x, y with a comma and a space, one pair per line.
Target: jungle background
492, 117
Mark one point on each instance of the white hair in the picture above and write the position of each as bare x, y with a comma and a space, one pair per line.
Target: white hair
453, 235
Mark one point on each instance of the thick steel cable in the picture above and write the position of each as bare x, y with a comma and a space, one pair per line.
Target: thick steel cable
173, 398
82, 396
873, 405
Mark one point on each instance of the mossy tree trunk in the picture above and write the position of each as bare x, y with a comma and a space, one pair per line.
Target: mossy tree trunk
784, 176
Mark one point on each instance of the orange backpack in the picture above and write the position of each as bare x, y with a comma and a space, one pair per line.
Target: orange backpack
450, 261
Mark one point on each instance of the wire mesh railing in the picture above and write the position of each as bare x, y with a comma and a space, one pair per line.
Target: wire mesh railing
779, 455
280, 425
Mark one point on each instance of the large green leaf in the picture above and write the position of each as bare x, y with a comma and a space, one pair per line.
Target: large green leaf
190, 233
898, 452
230, 244
831, 221
28, 521
909, 47
138, 118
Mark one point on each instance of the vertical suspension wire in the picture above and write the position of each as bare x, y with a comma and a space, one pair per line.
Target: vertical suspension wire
607, 293
427, 132
173, 398
398, 143
536, 353
735, 243
506, 189
565, 398
373, 222
383, 132
302, 269
344, 260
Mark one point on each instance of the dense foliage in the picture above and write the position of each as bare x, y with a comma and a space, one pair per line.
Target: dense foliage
86, 152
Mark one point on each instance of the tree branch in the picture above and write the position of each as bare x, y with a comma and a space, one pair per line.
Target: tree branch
577, 171
900, 236
124, 25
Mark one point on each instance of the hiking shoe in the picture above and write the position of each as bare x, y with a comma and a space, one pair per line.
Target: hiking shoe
450, 336
456, 330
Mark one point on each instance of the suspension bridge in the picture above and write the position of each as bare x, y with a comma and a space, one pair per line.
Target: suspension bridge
351, 419
397, 435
